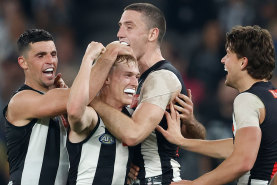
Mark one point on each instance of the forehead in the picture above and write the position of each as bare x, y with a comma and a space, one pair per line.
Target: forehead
131, 16
43, 46
126, 67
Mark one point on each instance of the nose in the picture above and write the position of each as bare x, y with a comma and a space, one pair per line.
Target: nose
223, 60
51, 59
120, 33
134, 81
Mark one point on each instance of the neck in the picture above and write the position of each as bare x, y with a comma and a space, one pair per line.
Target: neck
111, 101
36, 86
150, 57
246, 83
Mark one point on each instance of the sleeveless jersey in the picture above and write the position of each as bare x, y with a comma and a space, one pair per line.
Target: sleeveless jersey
155, 155
37, 152
99, 159
265, 165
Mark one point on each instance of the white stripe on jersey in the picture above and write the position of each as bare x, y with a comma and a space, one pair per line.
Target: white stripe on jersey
176, 170
89, 158
34, 157
152, 161
64, 158
119, 170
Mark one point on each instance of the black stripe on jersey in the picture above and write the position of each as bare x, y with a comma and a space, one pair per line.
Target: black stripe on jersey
138, 160
104, 175
51, 156
130, 159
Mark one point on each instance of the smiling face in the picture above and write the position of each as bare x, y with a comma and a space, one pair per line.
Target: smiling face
133, 30
121, 84
39, 62
232, 67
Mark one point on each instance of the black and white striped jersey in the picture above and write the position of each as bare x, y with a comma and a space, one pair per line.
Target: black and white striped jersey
155, 155
37, 152
99, 159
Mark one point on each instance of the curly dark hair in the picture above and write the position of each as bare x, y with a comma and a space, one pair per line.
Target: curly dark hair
256, 45
32, 36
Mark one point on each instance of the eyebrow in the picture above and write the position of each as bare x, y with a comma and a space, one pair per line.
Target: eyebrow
41, 53
126, 22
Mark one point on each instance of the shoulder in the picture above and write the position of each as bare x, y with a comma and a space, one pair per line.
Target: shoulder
248, 99
163, 77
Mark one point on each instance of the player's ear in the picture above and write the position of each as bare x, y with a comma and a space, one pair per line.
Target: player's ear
244, 63
153, 34
22, 62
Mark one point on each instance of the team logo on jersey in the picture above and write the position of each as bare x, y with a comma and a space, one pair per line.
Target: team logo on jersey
274, 93
107, 139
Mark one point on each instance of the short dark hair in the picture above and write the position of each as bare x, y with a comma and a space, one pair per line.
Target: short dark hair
256, 45
32, 36
154, 15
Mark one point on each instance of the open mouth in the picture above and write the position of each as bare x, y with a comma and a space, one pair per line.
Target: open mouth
124, 43
130, 92
49, 71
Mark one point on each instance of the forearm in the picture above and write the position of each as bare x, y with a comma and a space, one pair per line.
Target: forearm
194, 129
130, 131
53, 104
240, 161
216, 149
117, 123
226, 172
79, 93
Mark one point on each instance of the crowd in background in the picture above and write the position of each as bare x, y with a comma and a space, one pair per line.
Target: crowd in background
194, 43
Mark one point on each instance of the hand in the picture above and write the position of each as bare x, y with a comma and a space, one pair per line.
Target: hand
190, 127
93, 51
186, 107
133, 173
173, 132
183, 182
59, 82
115, 48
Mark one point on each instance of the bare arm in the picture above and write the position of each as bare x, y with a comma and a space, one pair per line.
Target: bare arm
191, 128
217, 149
27, 105
241, 160
130, 131
81, 116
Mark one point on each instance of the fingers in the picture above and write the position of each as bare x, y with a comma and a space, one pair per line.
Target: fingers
59, 82
57, 78
135, 167
161, 130
189, 93
183, 99
133, 173
172, 111
116, 48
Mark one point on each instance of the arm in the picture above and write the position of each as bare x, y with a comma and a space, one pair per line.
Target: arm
27, 105
191, 128
241, 160
81, 116
217, 149
130, 131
